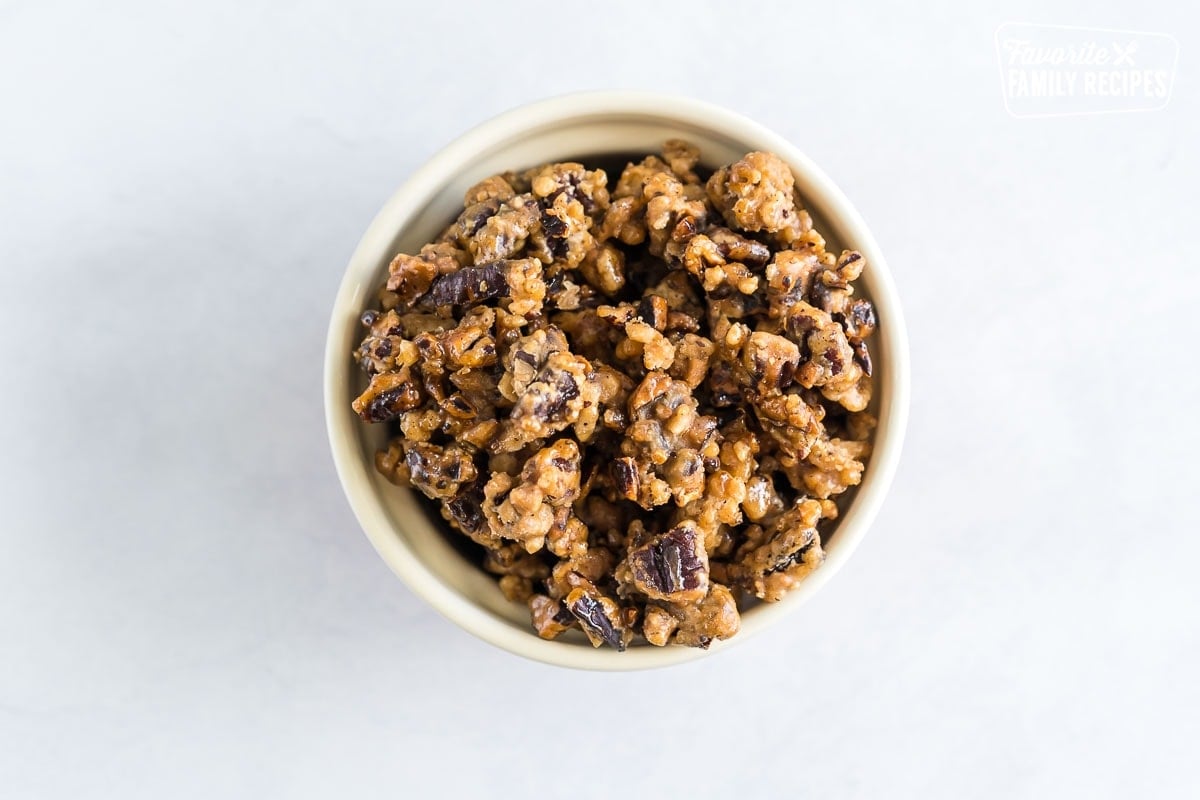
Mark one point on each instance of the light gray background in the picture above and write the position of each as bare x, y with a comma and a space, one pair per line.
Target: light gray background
187, 607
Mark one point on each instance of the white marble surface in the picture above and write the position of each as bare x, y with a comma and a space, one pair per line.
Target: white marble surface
187, 608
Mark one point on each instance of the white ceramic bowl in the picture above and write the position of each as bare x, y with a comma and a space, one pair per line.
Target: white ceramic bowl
562, 129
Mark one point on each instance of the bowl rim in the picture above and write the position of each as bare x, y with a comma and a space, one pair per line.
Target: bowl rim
443, 166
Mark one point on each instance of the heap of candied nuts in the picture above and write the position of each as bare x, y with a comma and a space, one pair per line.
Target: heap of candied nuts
640, 401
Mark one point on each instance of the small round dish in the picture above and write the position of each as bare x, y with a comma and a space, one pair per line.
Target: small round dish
573, 127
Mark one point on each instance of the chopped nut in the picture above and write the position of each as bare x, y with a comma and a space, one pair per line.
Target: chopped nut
599, 617
773, 561
523, 508
754, 194
672, 566
550, 617
388, 395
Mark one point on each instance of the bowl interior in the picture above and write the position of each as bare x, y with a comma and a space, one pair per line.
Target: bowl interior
397, 522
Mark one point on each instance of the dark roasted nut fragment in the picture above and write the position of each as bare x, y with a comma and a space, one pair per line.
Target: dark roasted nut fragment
672, 566
465, 510
388, 396
467, 287
735, 247
859, 321
861, 355
599, 617
409, 277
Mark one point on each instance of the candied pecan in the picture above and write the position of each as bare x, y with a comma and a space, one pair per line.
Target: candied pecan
568, 536
682, 157
504, 232
389, 460
613, 398
470, 343
585, 570
699, 625
465, 512
526, 357
674, 214
409, 277
567, 295
771, 361
829, 362
439, 472
735, 247
467, 287
493, 188
604, 269
831, 290
599, 617
833, 466
773, 560
692, 356
388, 395
574, 181
384, 348
791, 422
702, 258
672, 566
565, 236
523, 508
625, 221
859, 321
526, 288
790, 278
415, 323
632, 181
550, 617
563, 392
726, 487
755, 193
469, 222
642, 324
668, 442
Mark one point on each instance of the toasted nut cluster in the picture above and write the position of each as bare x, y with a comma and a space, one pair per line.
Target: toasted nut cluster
640, 401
